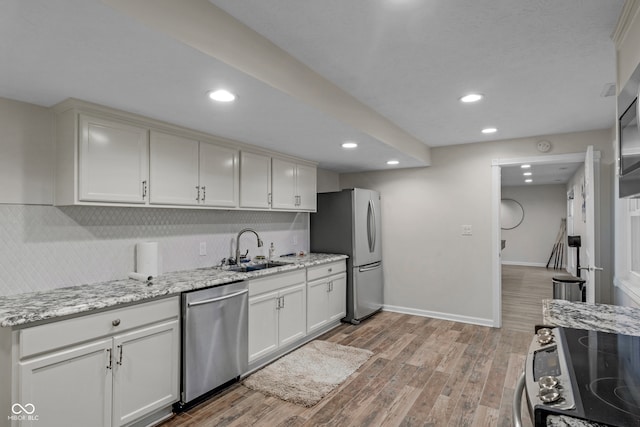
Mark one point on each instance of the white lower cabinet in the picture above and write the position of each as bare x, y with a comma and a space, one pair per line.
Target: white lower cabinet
114, 380
277, 312
145, 371
326, 301
71, 387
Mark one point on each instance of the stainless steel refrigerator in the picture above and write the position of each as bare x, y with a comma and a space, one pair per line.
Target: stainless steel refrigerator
348, 222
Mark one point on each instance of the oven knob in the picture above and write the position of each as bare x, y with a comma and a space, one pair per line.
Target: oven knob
545, 336
549, 395
548, 382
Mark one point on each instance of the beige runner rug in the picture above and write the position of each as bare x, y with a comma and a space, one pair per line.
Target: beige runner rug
309, 373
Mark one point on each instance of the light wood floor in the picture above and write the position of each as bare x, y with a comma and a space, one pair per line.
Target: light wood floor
425, 372
523, 289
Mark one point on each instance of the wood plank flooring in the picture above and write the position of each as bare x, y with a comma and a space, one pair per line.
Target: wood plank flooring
424, 372
523, 289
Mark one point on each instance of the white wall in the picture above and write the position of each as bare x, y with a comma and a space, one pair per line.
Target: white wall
532, 241
46, 247
430, 268
328, 181
26, 150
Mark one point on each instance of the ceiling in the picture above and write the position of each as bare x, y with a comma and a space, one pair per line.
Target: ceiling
388, 73
541, 174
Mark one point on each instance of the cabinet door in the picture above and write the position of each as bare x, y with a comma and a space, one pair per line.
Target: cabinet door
283, 185
70, 387
146, 371
292, 319
255, 181
306, 187
317, 304
112, 161
173, 170
219, 180
263, 325
337, 297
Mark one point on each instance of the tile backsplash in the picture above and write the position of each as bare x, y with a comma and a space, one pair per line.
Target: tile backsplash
47, 247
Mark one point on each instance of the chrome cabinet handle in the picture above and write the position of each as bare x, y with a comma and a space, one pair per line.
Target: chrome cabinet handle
144, 189
115, 322
198, 190
269, 198
109, 366
119, 362
204, 193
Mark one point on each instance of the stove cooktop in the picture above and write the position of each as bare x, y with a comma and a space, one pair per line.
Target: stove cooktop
606, 375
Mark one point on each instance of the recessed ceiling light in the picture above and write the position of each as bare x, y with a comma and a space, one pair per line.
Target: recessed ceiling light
393, 162
528, 180
472, 97
525, 166
489, 130
349, 145
222, 95
527, 174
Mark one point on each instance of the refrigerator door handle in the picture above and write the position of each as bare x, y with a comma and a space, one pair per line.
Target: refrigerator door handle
371, 226
370, 267
374, 225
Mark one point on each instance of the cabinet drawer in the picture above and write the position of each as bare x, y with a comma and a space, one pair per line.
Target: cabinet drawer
68, 332
319, 271
278, 281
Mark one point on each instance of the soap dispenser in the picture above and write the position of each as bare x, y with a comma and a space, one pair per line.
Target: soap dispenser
272, 251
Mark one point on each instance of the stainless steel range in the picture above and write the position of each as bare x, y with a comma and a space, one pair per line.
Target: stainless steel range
589, 375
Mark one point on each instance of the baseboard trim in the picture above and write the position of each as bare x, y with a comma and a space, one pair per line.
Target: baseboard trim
438, 315
526, 264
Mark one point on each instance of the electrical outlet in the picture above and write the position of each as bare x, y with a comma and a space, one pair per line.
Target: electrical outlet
294, 240
467, 230
203, 248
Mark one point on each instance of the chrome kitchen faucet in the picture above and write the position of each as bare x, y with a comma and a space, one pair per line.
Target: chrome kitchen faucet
238, 242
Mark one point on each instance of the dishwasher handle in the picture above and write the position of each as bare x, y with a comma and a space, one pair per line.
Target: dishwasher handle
209, 301
516, 409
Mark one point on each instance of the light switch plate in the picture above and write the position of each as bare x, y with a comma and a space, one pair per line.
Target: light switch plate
203, 248
467, 230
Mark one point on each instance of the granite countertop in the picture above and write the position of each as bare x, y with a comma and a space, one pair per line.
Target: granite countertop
594, 317
31, 307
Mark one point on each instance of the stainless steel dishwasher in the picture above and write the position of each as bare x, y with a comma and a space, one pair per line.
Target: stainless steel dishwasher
214, 339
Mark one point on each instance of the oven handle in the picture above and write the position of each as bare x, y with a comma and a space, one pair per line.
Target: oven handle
517, 402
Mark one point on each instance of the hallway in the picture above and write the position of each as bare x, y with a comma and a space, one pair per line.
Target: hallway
523, 289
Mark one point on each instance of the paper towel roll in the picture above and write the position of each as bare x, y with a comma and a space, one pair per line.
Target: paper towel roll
141, 277
147, 258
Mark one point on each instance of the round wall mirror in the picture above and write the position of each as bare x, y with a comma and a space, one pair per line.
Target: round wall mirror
511, 214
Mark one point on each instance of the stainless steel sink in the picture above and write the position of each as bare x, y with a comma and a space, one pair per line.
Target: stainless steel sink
256, 267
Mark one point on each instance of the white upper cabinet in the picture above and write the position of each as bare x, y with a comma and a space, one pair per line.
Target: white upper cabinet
294, 186
112, 161
113, 158
219, 177
255, 181
192, 173
173, 170
284, 184
306, 182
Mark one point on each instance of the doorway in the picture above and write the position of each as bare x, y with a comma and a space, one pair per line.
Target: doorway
498, 166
